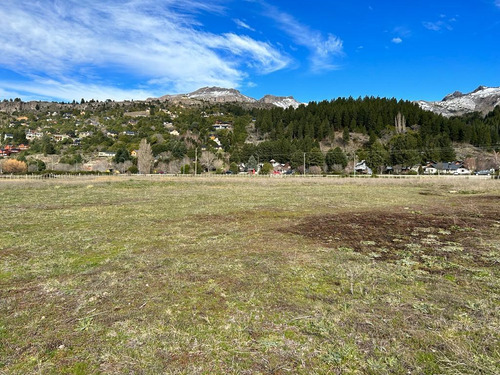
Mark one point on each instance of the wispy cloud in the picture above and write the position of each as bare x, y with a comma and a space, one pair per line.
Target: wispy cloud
324, 50
161, 44
497, 3
47, 89
243, 24
444, 23
397, 40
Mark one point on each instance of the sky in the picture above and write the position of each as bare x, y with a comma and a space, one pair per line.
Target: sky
315, 50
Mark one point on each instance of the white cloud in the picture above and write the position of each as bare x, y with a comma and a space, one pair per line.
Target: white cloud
397, 40
243, 24
444, 23
79, 44
43, 88
323, 49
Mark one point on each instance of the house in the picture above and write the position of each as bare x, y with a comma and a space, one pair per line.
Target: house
222, 125
23, 147
175, 133
362, 168
430, 170
8, 136
129, 132
134, 153
106, 154
462, 171
85, 134
9, 150
60, 137
454, 167
30, 136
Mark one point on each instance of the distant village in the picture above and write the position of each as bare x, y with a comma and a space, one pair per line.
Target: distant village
105, 137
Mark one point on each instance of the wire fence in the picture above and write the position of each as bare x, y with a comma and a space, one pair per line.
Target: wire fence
240, 175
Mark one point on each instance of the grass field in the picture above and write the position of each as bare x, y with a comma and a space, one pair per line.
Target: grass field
248, 276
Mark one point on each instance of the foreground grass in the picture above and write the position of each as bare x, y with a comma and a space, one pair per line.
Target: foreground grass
250, 276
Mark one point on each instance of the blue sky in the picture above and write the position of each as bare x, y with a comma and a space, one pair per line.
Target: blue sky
313, 50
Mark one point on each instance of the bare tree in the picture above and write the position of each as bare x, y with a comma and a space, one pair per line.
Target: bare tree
400, 123
470, 163
123, 167
207, 160
144, 157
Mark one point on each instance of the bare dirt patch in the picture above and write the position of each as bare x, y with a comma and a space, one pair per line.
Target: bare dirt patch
457, 235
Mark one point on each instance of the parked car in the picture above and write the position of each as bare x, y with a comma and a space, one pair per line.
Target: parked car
484, 172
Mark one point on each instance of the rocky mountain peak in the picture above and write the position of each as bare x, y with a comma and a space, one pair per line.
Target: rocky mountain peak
483, 99
280, 101
456, 94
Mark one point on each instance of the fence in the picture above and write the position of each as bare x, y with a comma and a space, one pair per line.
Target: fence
225, 176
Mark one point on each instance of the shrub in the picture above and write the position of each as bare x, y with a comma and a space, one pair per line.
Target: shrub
266, 168
133, 169
315, 170
14, 166
185, 169
234, 168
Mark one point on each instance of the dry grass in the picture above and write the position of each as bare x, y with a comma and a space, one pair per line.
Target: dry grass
250, 275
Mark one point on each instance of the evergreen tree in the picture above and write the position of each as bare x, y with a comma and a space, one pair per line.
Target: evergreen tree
336, 159
252, 163
377, 156
345, 136
315, 157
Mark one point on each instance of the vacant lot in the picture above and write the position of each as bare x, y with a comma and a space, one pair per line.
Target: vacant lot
311, 276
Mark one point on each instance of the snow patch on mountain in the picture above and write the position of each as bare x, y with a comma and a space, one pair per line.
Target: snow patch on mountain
281, 101
218, 94
483, 99
224, 95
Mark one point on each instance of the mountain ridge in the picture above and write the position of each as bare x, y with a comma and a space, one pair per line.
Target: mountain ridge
216, 94
483, 99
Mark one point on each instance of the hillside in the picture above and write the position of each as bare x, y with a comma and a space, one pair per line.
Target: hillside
106, 135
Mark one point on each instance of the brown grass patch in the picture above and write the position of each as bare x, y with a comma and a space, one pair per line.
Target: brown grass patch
458, 233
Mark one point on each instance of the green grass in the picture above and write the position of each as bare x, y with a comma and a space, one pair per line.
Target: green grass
308, 276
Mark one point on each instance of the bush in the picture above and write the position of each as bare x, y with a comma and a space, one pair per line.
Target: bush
185, 169
315, 170
266, 168
234, 168
14, 166
133, 169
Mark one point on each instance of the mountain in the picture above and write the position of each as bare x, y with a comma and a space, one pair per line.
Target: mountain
224, 95
280, 101
483, 99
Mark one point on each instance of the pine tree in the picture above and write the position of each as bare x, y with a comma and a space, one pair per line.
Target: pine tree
345, 136
336, 159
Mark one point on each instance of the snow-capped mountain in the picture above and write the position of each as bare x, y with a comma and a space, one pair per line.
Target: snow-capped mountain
223, 95
280, 101
213, 95
218, 94
483, 99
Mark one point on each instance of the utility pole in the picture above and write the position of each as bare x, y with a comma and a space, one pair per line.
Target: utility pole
354, 163
304, 164
195, 160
